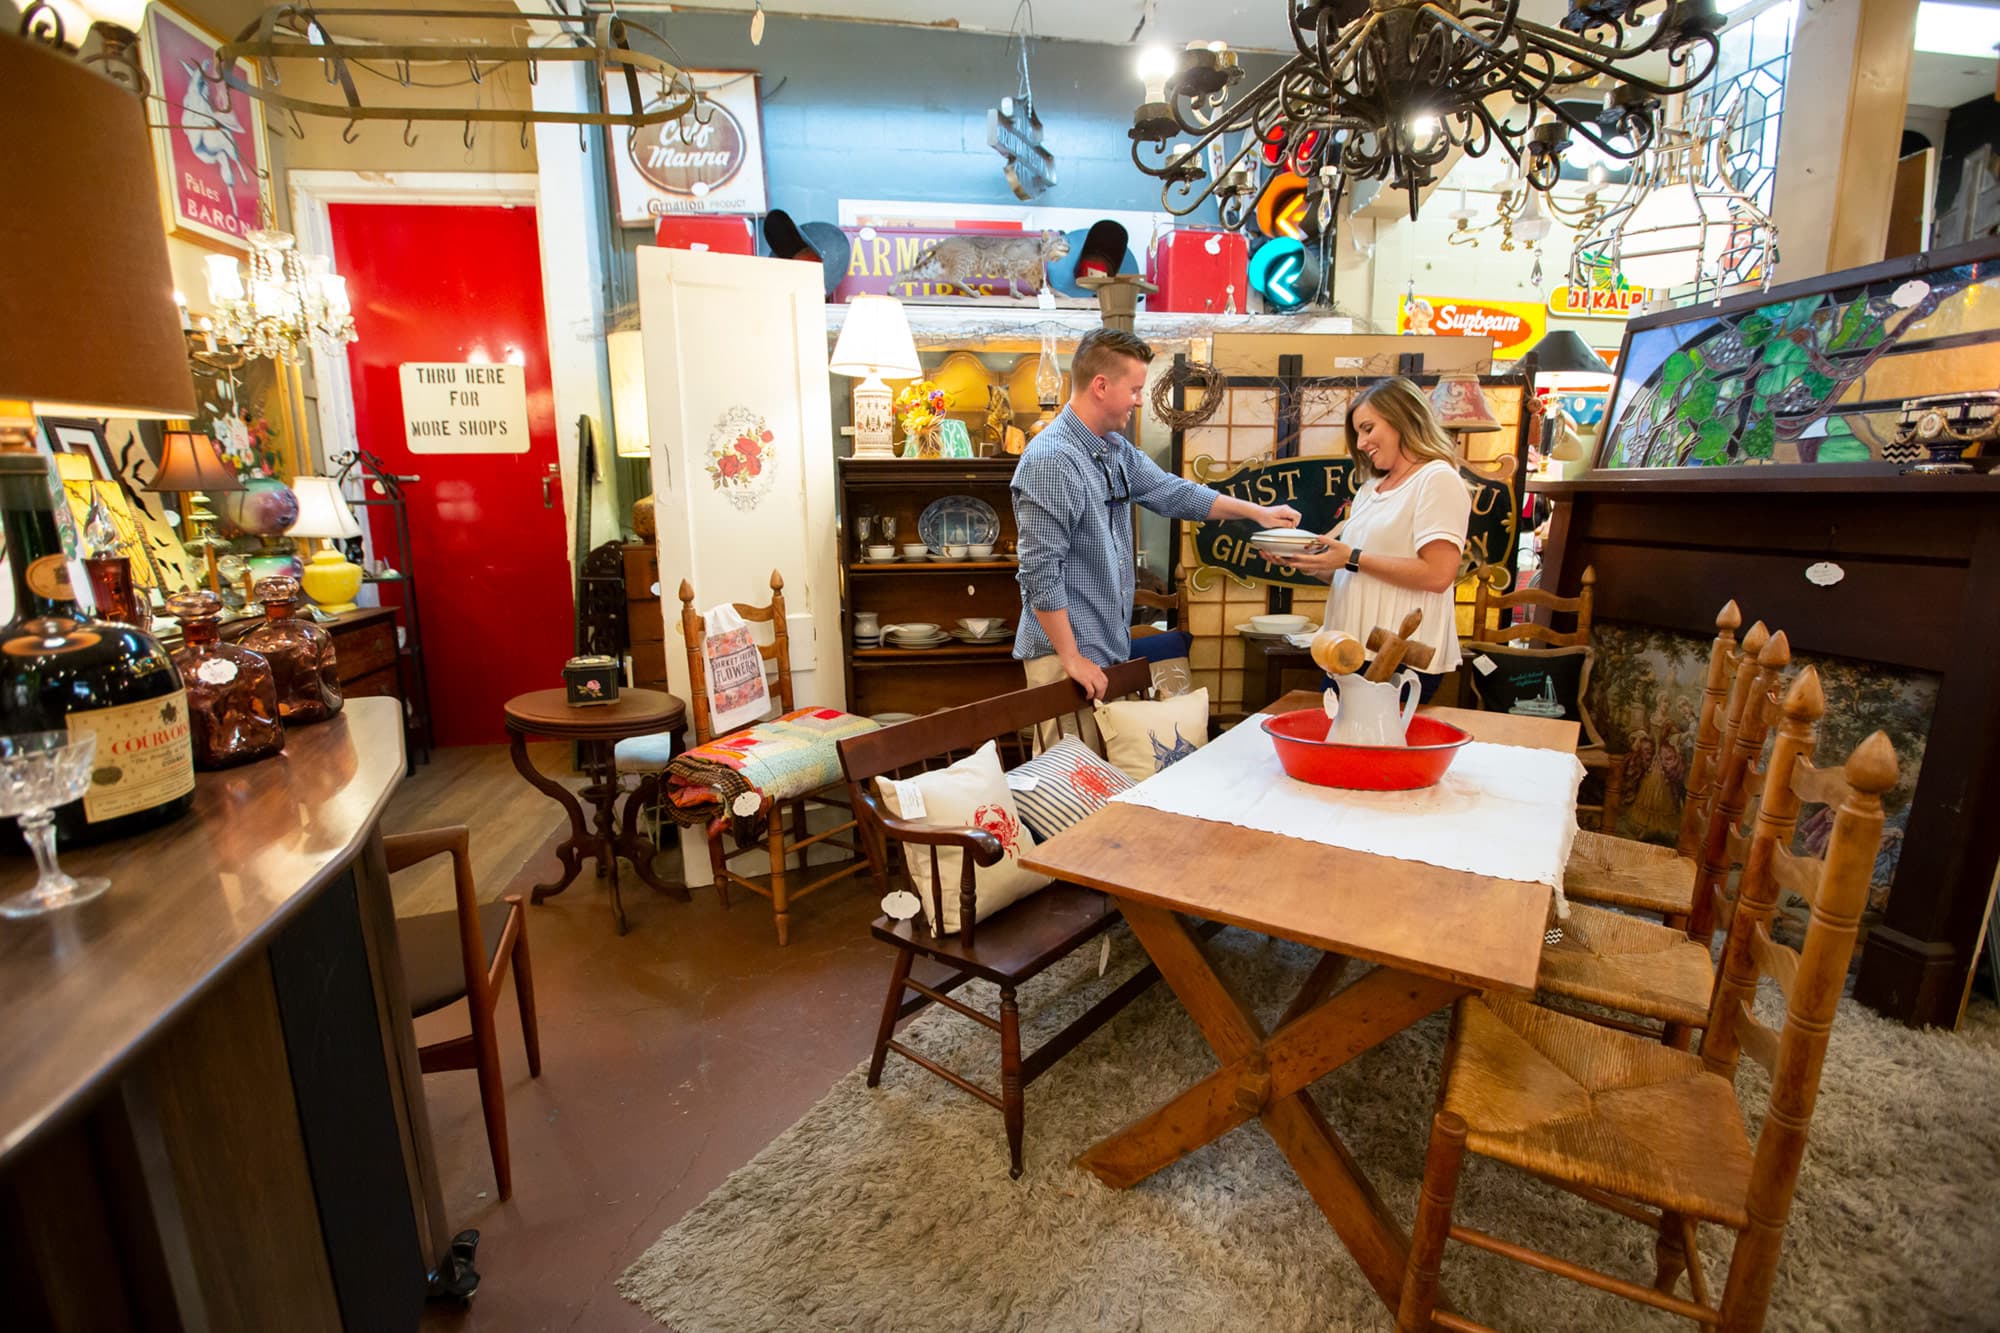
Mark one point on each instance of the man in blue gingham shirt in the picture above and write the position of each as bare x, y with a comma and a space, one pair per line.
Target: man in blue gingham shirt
1073, 495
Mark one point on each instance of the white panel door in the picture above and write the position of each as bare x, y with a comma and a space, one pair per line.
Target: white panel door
741, 424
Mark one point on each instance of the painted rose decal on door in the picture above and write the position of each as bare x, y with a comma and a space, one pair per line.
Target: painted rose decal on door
741, 460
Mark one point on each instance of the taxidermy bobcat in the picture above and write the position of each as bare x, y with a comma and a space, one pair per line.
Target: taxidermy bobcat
1019, 260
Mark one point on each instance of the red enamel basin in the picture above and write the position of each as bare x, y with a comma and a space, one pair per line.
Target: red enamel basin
1309, 756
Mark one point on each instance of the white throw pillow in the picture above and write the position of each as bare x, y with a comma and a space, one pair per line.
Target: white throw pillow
1142, 737
972, 793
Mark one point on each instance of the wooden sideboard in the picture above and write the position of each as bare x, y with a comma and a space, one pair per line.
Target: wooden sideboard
211, 1107
1920, 590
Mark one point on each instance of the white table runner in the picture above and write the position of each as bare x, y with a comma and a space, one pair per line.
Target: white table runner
1501, 810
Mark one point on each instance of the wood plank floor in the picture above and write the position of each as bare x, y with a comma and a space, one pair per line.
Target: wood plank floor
475, 785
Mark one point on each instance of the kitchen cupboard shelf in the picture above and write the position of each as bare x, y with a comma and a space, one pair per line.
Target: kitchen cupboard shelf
933, 566
959, 653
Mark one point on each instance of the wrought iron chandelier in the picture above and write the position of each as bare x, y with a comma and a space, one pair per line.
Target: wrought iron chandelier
1389, 89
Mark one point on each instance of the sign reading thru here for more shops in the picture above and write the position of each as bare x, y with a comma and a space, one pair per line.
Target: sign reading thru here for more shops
1514, 326
465, 407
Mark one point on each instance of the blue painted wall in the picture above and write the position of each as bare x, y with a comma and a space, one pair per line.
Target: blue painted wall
877, 111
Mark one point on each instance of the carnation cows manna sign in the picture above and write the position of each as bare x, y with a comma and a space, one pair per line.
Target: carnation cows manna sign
1514, 326
711, 160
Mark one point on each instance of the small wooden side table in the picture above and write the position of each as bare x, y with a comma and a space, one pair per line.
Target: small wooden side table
598, 727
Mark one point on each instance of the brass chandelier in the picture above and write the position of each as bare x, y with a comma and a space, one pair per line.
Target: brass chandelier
1389, 89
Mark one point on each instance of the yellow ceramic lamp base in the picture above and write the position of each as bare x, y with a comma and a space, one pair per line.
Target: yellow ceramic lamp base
332, 581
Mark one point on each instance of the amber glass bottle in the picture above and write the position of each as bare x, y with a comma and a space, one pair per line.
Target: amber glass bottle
300, 654
232, 699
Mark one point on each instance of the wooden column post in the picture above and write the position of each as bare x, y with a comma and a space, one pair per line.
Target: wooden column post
1841, 133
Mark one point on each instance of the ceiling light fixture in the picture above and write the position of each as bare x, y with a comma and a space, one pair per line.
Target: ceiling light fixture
1389, 89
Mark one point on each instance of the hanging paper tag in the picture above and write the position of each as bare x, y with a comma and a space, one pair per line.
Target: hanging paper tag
1485, 665
1018, 781
746, 805
910, 799
900, 905
1824, 574
1104, 956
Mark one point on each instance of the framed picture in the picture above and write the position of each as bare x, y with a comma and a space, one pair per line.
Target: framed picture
211, 152
690, 165
84, 437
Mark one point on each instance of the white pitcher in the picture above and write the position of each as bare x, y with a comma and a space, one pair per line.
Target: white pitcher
1374, 712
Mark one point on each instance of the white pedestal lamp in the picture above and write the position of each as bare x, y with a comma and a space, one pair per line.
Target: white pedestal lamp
874, 344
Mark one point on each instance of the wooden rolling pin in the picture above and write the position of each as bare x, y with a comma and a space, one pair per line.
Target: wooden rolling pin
1392, 650
1337, 652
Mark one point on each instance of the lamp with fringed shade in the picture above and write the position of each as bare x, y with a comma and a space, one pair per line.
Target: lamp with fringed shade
88, 324
190, 461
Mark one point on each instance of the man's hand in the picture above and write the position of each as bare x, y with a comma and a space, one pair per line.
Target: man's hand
1320, 562
1087, 674
1277, 516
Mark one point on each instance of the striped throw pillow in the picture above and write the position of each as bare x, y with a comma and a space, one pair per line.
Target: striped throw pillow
1061, 785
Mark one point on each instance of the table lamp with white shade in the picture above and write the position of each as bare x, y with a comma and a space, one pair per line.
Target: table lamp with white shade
874, 345
330, 579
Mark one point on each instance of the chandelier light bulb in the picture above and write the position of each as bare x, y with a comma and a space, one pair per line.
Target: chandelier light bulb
225, 279
1534, 225
1424, 126
1660, 245
1156, 65
1598, 176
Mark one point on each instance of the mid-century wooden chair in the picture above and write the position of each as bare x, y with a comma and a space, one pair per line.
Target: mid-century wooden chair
1493, 622
1643, 877
464, 954
1610, 959
780, 843
1016, 943
1657, 1134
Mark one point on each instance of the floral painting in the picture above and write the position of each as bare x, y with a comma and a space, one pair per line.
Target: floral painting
1645, 696
741, 462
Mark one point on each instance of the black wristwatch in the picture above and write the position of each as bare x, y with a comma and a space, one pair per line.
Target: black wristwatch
1354, 559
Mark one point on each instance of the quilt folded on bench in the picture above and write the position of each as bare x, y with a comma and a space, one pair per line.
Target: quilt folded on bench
787, 757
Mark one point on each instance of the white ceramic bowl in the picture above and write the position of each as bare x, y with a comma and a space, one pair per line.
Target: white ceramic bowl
915, 550
981, 550
981, 626
881, 553
916, 629
954, 551
1279, 624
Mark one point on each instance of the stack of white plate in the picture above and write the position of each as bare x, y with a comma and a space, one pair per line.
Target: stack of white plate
913, 636
990, 632
1285, 541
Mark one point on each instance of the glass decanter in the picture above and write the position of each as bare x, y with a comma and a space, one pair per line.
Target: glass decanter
300, 654
232, 697
40, 770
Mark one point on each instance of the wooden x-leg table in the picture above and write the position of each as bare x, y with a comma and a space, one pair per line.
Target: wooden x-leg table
1432, 935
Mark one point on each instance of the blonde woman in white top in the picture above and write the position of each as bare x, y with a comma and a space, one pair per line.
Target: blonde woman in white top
1399, 548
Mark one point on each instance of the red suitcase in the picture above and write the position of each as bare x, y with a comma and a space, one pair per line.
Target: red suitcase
1195, 269
693, 231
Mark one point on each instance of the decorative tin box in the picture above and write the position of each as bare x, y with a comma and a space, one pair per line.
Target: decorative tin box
591, 680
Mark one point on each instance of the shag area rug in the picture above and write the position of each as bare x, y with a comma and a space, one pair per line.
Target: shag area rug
891, 1208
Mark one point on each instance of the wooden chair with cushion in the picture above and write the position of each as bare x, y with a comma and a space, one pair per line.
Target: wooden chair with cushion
1011, 946
1657, 1134
777, 826
464, 954
1492, 612
1174, 603
1659, 973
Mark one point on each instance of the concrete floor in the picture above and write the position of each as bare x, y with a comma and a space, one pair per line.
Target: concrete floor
670, 1056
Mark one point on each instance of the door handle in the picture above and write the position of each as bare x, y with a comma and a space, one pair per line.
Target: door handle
548, 487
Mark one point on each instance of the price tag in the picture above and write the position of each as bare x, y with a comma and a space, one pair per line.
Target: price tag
1485, 665
1104, 956
1018, 781
910, 800
747, 805
216, 671
900, 905
1824, 574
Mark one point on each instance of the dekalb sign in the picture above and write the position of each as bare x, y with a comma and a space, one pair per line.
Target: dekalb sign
1597, 302
1514, 326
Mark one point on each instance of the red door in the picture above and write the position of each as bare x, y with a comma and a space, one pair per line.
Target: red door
435, 283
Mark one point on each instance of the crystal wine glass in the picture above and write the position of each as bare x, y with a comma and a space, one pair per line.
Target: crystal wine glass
888, 522
40, 770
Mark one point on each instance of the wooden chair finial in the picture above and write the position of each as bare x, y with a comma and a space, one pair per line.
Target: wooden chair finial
1775, 655
1872, 768
687, 593
1590, 576
777, 581
1755, 638
1806, 701
1730, 618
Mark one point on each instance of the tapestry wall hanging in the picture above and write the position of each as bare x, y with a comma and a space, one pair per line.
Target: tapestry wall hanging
1814, 372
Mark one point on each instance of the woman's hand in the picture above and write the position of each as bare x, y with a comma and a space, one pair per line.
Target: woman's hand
1320, 561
